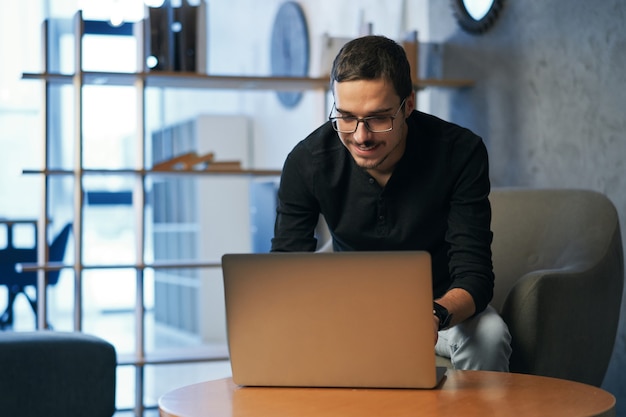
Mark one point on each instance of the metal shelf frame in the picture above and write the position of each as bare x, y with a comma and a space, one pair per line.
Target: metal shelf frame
140, 81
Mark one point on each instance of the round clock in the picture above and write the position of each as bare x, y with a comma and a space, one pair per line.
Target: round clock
290, 48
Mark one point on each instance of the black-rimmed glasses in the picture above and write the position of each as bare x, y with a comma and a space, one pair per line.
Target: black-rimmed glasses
375, 124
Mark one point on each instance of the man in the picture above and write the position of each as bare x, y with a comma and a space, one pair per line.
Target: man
388, 177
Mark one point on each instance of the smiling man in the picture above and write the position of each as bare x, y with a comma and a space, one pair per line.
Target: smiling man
388, 177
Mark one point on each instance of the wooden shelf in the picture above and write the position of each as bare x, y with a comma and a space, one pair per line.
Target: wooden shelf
207, 353
216, 82
214, 171
186, 80
55, 266
445, 83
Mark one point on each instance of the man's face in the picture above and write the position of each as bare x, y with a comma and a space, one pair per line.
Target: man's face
376, 152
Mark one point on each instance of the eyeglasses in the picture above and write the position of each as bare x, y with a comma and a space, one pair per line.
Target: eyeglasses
375, 124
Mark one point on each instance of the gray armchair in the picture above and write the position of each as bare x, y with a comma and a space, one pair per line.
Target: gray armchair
559, 270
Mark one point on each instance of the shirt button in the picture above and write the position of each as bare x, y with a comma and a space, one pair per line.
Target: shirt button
381, 218
371, 180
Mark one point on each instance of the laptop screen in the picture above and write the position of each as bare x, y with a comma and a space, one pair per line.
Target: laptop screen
341, 319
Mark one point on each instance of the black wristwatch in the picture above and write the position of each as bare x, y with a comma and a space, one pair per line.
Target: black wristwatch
442, 314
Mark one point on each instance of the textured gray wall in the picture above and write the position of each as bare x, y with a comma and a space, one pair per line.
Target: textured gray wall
550, 101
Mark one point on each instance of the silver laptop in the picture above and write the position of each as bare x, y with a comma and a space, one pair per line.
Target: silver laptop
346, 319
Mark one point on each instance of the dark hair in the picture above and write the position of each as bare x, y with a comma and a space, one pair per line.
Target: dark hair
372, 57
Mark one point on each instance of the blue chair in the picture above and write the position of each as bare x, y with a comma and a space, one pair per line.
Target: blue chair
16, 282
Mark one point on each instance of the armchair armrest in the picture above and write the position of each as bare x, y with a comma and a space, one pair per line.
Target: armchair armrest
563, 319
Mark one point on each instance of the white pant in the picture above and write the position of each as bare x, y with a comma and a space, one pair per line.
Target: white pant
482, 342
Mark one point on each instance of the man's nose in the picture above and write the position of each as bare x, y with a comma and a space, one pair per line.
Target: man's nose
361, 134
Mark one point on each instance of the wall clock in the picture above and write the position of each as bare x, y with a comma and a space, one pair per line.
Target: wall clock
290, 48
476, 16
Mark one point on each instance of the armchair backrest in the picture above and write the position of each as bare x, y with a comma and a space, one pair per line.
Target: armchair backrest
539, 229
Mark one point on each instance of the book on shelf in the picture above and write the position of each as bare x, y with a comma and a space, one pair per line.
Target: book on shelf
159, 39
176, 37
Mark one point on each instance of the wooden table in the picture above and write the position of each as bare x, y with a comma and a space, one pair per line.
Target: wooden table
462, 393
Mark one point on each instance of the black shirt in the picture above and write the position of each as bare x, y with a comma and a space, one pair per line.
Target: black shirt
436, 200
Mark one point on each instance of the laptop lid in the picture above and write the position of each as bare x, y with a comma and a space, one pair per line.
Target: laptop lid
341, 319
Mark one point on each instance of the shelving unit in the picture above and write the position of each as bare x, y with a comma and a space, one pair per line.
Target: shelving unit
140, 81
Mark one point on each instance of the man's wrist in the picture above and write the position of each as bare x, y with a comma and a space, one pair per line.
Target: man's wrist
442, 313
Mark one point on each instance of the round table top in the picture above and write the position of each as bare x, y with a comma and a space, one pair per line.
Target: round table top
461, 393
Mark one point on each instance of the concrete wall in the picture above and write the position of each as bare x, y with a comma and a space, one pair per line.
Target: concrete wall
549, 101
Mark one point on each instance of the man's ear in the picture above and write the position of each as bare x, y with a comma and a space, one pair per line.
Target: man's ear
409, 105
